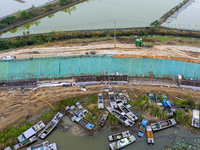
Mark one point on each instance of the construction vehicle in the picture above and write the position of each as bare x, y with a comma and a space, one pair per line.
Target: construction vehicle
140, 43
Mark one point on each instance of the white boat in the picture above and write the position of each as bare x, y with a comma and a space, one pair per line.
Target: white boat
128, 113
26, 142
195, 118
149, 132
121, 117
122, 98
43, 146
118, 136
31, 131
80, 107
100, 101
7, 148
163, 124
51, 125
122, 143
112, 99
103, 118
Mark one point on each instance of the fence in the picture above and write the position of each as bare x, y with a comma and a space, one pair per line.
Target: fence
66, 66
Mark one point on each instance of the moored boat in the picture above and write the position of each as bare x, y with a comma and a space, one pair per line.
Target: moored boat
149, 133
118, 136
51, 125
121, 117
26, 142
152, 98
112, 100
142, 128
7, 148
122, 143
100, 101
195, 118
163, 124
43, 146
79, 106
103, 118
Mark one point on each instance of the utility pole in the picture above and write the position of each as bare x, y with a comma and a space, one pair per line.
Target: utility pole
114, 33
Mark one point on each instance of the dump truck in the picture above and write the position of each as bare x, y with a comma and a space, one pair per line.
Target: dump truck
140, 43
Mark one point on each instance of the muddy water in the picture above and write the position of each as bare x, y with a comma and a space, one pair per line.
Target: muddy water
163, 139
99, 14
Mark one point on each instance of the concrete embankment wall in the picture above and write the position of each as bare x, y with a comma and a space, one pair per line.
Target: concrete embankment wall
67, 66
171, 12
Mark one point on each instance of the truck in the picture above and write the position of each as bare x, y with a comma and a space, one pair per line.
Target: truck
140, 43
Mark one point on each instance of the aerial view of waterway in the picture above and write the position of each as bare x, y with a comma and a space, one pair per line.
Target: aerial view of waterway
167, 138
99, 14
8, 7
185, 18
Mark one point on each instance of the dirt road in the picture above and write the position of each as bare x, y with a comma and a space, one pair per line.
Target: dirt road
124, 46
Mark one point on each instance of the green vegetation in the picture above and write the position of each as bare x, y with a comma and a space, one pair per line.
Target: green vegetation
188, 103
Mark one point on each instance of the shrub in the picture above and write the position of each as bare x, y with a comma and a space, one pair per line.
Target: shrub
4, 44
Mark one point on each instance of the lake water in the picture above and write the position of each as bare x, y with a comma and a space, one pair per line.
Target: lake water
99, 14
164, 138
186, 18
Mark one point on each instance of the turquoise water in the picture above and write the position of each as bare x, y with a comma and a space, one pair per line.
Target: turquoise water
99, 14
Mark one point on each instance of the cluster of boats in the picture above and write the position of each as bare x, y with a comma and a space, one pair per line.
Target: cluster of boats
38, 130
77, 114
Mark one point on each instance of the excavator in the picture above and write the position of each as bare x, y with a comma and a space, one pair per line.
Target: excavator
140, 43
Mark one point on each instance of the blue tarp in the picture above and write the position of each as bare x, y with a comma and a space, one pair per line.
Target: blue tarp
144, 122
166, 103
89, 126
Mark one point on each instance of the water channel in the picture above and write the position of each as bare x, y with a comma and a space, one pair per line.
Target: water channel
185, 18
170, 138
99, 14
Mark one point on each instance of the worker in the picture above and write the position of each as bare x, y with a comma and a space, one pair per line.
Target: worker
109, 82
101, 82
4, 85
53, 80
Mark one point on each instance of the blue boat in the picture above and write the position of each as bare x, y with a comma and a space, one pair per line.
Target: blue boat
142, 127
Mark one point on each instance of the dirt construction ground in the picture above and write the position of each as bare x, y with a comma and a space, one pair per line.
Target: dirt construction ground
17, 105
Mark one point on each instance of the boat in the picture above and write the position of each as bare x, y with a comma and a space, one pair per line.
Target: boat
7, 148
43, 146
128, 113
100, 101
121, 117
84, 123
76, 110
79, 106
118, 136
159, 102
122, 143
31, 131
149, 132
51, 125
112, 99
133, 110
151, 98
167, 106
163, 124
195, 118
142, 128
121, 98
70, 113
103, 118
26, 142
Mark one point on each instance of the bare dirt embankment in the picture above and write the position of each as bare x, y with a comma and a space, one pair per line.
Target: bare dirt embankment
174, 48
18, 105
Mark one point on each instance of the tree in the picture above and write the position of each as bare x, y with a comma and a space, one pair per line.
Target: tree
24, 14
4, 44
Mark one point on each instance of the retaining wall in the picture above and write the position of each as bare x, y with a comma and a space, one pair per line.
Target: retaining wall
66, 66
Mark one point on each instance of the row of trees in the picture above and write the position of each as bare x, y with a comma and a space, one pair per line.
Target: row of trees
32, 12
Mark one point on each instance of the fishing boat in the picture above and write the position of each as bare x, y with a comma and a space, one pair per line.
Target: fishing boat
26, 142
7, 148
43, 146
163, 124
51, 125
121, 117
31, 131
70, 113
118, 136
128, 113
142, 128
76, 110
79, 106
149, 132
151, 98
195, 118
121, 98
100, 101
122, 143
112, 99
132, 110
84, 123
103, 118
159, 102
